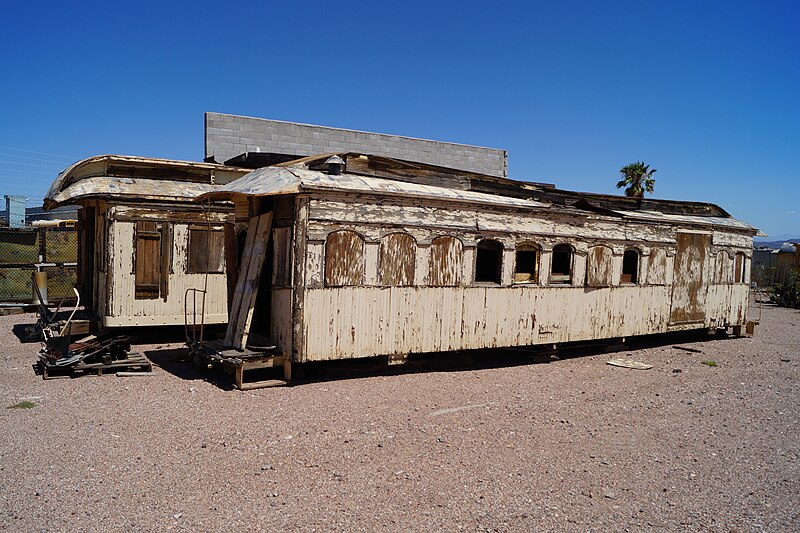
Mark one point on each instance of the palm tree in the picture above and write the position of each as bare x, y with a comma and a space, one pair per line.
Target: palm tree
637, 178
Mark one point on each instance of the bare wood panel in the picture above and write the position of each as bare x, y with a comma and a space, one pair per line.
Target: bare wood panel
281, 324
397, 259
599, 268
688, 288
445, 257
282, 257
206, 250
722, 268
182, 214
148, 260
657, 267
166, 258
344, 259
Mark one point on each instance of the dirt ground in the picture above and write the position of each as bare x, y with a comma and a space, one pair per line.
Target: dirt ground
490, 441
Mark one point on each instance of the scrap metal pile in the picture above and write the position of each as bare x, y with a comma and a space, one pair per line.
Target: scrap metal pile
60, 357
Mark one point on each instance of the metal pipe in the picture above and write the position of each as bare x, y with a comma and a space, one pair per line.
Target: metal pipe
40, 280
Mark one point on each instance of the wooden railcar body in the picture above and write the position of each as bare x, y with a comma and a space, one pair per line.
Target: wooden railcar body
141, 237
387, 258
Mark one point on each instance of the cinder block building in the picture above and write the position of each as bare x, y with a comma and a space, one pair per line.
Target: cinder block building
255, 142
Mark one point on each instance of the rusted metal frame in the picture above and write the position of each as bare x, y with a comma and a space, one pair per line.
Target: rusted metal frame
298, 297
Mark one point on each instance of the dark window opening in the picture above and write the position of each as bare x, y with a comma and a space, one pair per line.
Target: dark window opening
489, 261
526, 267
630, 267
561, 269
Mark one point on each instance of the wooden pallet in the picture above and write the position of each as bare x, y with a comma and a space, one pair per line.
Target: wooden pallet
214, 353
134, 361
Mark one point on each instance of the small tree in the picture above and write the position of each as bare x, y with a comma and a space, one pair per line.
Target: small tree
637, 178
787, 294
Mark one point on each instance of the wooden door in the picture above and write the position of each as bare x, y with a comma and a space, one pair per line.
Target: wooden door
689, 284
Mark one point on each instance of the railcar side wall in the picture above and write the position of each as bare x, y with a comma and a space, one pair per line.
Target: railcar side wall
364, 317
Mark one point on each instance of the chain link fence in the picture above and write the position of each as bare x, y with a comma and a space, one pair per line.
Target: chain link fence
24, 251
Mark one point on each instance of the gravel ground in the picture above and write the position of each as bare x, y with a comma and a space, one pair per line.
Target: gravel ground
573, 444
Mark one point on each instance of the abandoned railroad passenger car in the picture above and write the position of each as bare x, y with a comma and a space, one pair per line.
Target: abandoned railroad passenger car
374, 256
142, 239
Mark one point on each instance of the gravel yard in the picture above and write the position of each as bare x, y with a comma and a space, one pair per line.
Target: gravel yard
571, 444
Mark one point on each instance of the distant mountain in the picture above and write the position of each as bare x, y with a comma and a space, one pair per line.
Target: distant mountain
773, 242
784, 237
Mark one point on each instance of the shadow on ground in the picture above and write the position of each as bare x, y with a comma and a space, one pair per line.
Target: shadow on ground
178, 362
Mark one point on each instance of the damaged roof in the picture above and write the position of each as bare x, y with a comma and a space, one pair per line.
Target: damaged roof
386, 176
276, 180
134, 178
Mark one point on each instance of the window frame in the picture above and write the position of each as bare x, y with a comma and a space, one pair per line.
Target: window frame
527, 247
570, 276
219, 232
362, 260
739, 268
499, 249
458, 273
382, 273
638, 274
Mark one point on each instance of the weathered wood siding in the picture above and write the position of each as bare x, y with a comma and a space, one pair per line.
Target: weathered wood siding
397, 260
344, 259
599, 269
361, 321
689, 286
123, 309
445, 257
281, 326
444, 310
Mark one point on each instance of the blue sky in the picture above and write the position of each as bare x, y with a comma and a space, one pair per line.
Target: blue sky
708, 93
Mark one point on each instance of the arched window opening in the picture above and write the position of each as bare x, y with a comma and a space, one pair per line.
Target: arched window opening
739, 265
445, 262
344, 259
526, 265
630, 267
489, 261
561, 268
397, 260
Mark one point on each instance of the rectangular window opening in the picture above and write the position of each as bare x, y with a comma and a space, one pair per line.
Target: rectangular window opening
488, 262
561, 269
206, 250
630, 267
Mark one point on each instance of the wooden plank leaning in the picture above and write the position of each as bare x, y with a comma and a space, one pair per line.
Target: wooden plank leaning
241, 280
248, 283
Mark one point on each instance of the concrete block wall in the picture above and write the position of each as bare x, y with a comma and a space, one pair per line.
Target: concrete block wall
227, 136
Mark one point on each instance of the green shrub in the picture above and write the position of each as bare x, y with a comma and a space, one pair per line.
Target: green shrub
787, 294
